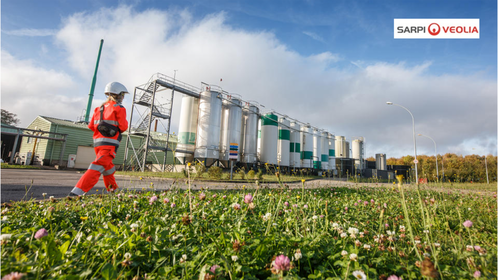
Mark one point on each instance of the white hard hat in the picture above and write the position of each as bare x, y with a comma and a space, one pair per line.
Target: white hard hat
115, 88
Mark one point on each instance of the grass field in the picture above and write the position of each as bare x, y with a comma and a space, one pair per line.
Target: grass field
354, 232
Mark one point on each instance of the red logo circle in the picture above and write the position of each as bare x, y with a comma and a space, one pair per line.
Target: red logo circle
434, 29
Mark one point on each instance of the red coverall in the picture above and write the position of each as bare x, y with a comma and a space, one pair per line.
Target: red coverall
105, 148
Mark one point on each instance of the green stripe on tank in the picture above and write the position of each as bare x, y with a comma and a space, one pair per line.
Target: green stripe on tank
331, 153
291, 147
269, 119
186, 138
317, 164
306, 155
325, 158
298, 147
284, 134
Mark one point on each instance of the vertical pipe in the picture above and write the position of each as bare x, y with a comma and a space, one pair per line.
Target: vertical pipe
15, 147
90, 96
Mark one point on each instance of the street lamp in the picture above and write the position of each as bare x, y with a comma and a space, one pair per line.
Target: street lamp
435, 149
414, 140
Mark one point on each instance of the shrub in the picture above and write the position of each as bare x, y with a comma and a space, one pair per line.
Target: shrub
251, 174
215, 172
259, 175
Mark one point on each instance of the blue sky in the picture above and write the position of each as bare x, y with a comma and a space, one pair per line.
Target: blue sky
340, 53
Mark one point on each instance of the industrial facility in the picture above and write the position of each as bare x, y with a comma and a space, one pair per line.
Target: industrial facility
220, 128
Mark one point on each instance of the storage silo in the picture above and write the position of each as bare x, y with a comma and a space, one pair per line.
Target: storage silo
230, 127
331, 139
341, 147
380, 162
324, 157
307, 142
251, 138
269, 138
358, 153
259, 138
187, 128
283, 142
207, 144
317, 149
295, 145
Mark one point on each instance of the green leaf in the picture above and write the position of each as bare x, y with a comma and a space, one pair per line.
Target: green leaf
109, 272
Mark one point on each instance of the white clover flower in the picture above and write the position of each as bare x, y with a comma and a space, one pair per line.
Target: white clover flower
344, 235
183, 258
344, 253
5, 236
358, 274
353, 257
335, 225
51, 197
426, 231
417, 241
437, 245
315, 217
134, 225
353, 230
366, 246
5, 218
127, 256
235, 258
427, 255
298, 254
266, 217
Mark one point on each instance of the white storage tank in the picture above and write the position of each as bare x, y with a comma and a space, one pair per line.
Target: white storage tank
307, 142
283, 142
187, 128
317, 149
207, 144
357, 150
269, 138
324, 158
259, 139
331, 139
341, 147
250, 147
295, 145
230, 127
380, 162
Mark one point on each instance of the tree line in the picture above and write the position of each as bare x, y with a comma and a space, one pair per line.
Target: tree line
456, 168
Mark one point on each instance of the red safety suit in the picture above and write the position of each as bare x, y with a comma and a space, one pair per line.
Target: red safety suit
105, 148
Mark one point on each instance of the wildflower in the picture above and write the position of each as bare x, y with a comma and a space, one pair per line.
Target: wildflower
353, 230
344, 235
237, 246
358, 274
83, 218
298, 197
477, 274
152, 200
266, 217
127, 256
44, 194
298, 254
5, 236
248, 198
346, 208
402, 228
173, 205
467, 223
437, 245
281, 263
315, 217
302, 181
41, 233
183, 258
202, 196
386, 225
294, 205
166, 200
357, 243
305, 206
224, 197
236, 206
366, 247
14, 276
214, 196
213, 268
469, 248
477, 248
335, 225
394, 277
353, 257
286, 204
235, 258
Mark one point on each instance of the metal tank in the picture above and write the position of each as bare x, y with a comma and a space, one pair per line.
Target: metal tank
358, 153
231, 123
341, 147
307, 142
317, 149
295, 145
283, 142
380, 162
269, 138
187, 128
207, 144
259, 139
250, 148
331, 139
324, 158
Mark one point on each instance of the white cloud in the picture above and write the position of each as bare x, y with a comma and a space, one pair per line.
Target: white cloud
314, 36
452, 109
29, 91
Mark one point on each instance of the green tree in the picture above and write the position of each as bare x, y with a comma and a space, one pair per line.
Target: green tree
9, 118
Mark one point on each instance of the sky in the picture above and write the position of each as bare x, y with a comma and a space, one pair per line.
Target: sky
333, 64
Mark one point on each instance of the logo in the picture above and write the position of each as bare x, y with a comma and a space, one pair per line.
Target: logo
436, 28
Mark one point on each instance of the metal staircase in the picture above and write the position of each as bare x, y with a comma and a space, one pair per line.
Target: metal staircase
152, 101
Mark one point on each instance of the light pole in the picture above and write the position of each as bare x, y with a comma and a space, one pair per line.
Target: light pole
435, 149
414, 139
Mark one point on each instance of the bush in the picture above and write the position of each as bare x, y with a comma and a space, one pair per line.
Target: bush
251, 174
259, 175
215, 172
242, 173
200, 169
